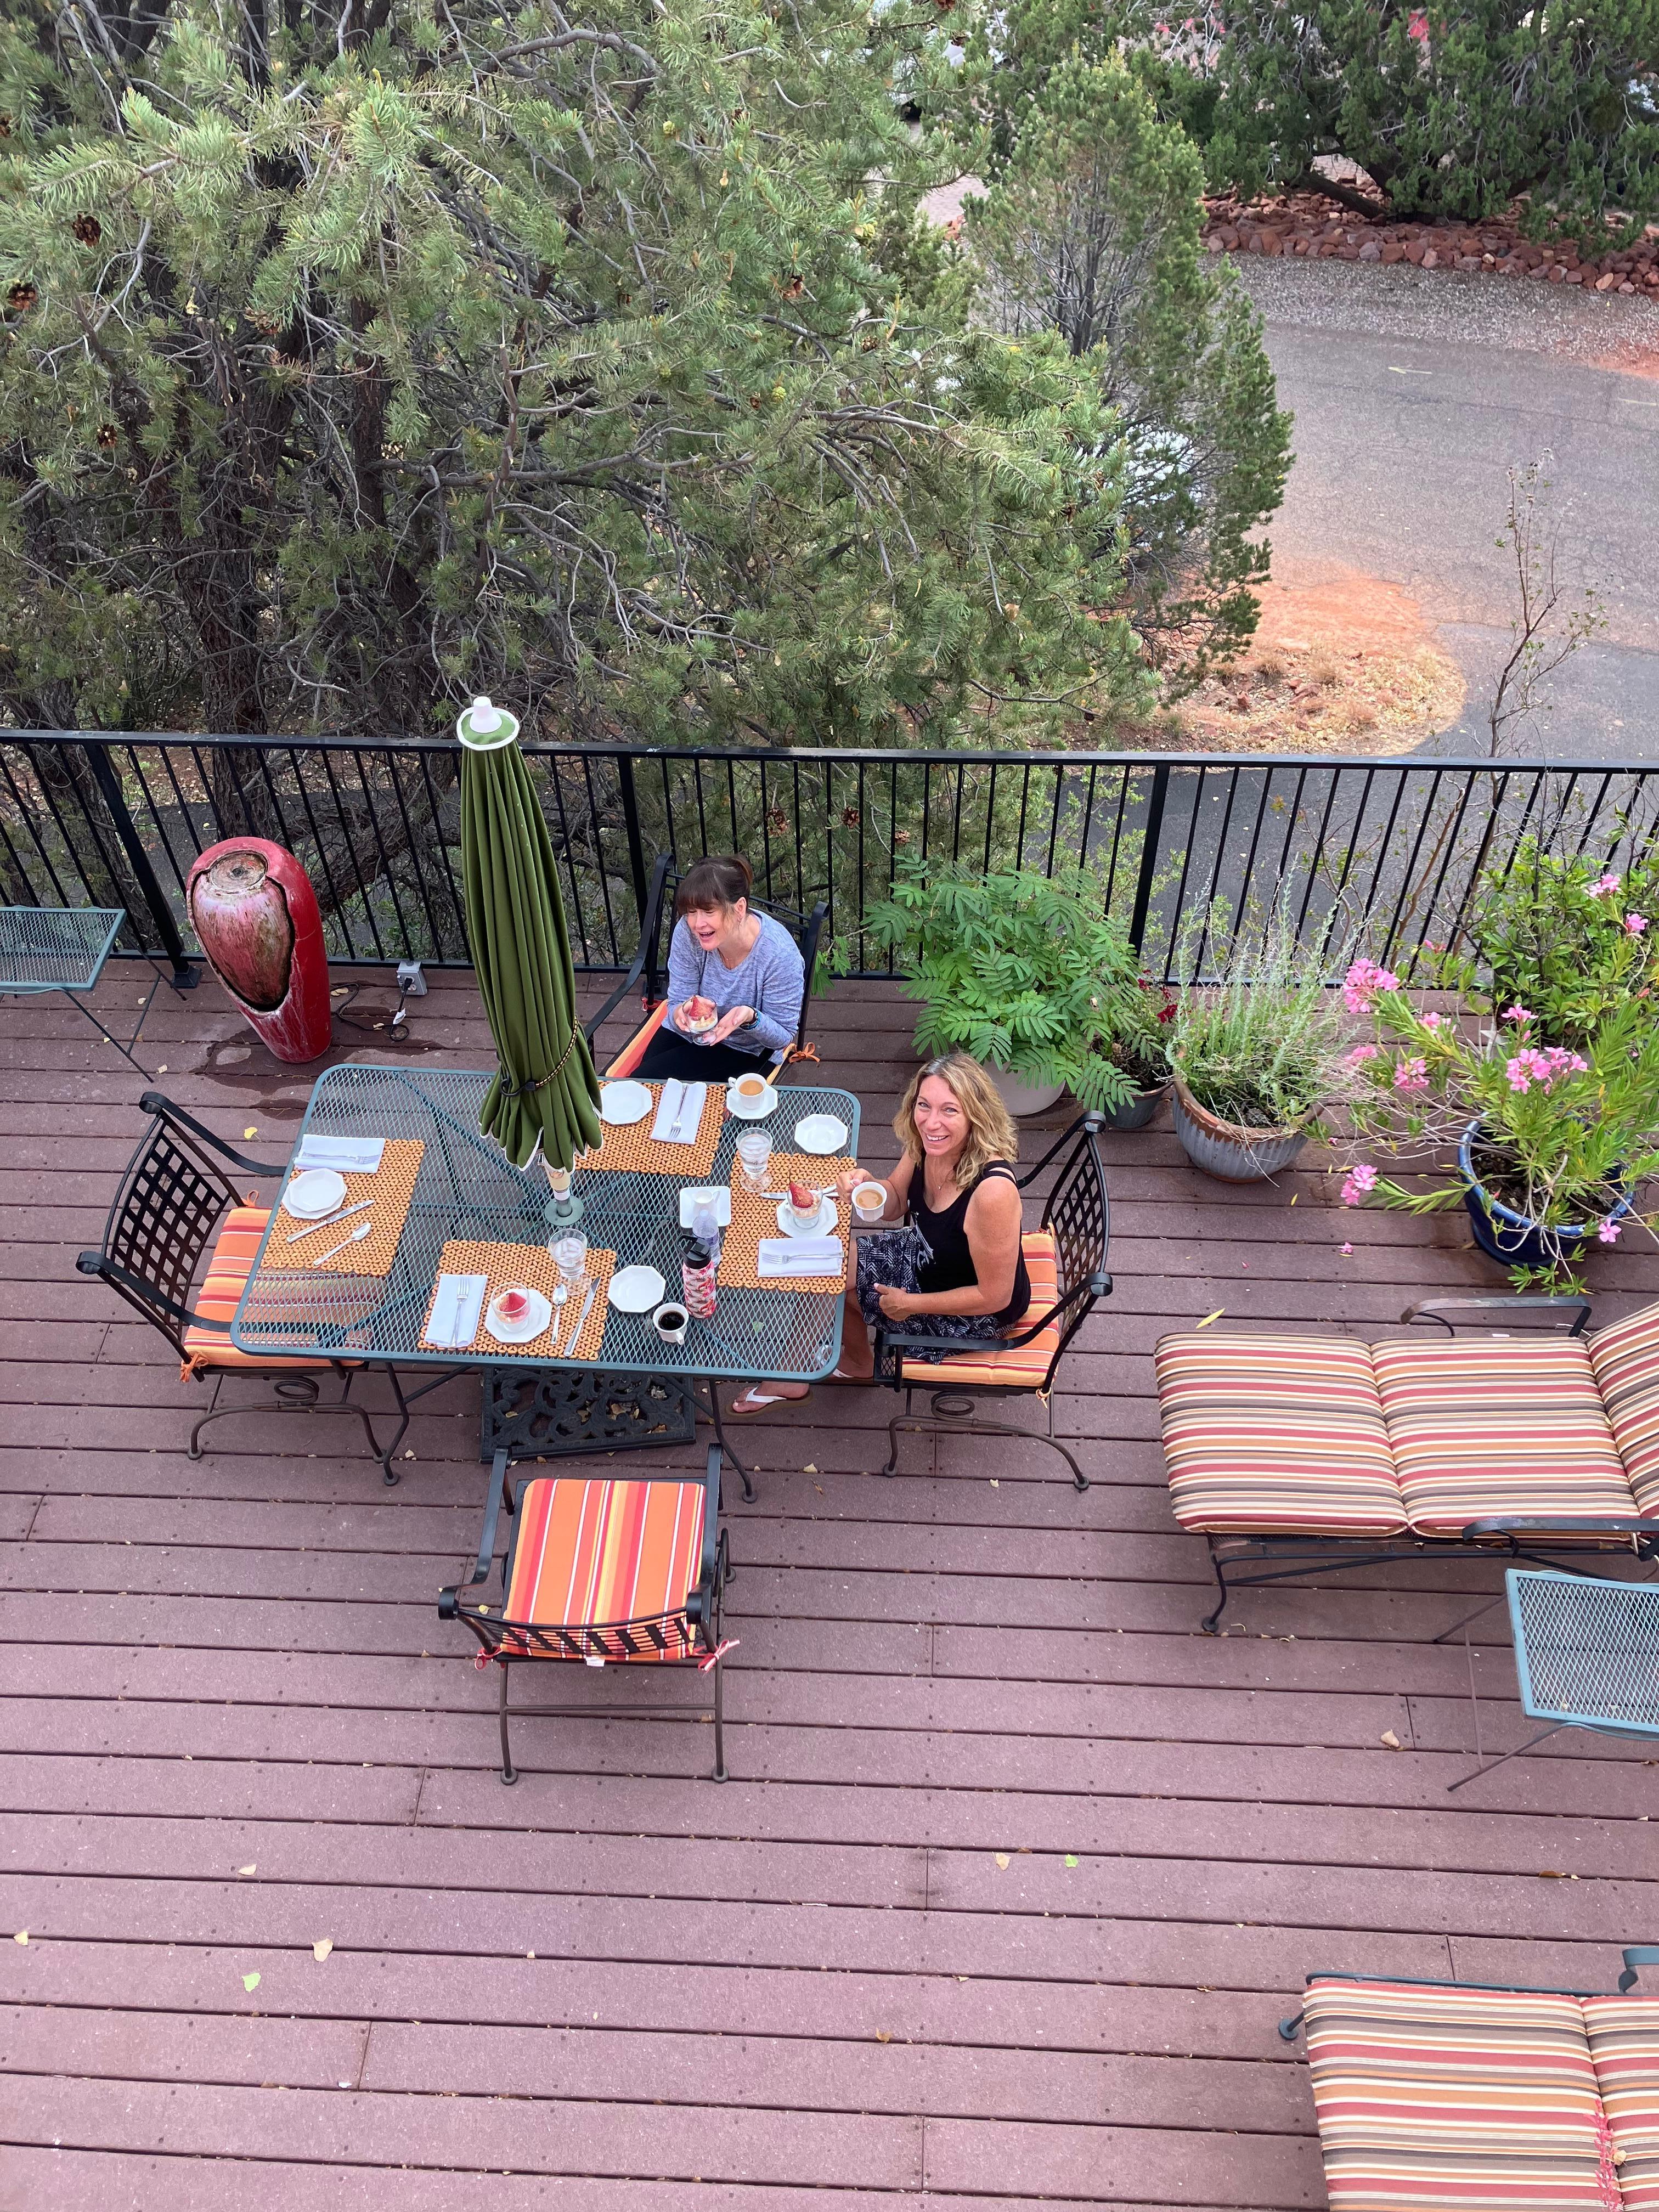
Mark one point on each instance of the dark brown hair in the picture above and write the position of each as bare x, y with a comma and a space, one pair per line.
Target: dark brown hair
714, 883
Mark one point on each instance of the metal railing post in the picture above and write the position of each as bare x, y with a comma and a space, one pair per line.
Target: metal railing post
1152, 837
630, 806
185, 975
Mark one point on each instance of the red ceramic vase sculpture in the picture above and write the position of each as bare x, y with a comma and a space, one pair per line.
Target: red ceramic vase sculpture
257, 916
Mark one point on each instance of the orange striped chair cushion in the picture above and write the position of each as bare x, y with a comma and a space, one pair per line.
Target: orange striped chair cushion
1008, 1367
634, 1051
1625, 1361
235, 1249
594, 1555
1623, 2041
1264, 1434
1429, 2100
1483, 1426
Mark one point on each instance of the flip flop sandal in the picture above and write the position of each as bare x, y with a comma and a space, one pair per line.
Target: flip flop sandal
755, 1400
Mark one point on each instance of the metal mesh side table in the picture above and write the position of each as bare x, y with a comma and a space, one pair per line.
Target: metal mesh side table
44, 948
1586, 1656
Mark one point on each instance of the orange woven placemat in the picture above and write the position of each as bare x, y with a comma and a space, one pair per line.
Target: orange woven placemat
392, 1187
530, 1265
634, 1148
755, 1217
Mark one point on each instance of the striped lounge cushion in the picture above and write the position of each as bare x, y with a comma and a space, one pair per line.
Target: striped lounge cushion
1264, 1434
235, 1251
1430, 2100
1488, 1426
1625, 1360
596, 1555
1004, 1367
1623, 2041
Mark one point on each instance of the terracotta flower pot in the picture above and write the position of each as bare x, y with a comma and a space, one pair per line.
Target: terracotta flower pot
1227, 1151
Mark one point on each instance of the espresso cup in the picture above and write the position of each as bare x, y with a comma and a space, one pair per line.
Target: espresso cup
868, 1200
670, 1320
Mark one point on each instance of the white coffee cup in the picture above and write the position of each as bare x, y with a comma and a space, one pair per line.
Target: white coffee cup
670, 1321
869, 1199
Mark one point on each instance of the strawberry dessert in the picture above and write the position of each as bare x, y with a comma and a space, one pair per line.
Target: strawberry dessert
698, 1014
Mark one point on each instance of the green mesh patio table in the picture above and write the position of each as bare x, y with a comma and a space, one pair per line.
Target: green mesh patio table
54, 948
1586, 1656
466, 1191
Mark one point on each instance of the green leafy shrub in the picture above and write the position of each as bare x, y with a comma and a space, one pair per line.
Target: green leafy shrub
1024, 971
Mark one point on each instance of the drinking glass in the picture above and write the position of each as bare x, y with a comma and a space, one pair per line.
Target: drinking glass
570, 1258
754, 1157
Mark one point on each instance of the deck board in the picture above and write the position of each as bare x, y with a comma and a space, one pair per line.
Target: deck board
1017, 1871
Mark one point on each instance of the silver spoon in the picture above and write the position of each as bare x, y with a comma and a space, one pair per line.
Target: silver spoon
356, 1237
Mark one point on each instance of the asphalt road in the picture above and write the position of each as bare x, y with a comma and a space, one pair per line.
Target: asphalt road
1411, 399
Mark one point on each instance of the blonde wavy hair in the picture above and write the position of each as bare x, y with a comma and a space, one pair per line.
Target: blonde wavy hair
991, 1132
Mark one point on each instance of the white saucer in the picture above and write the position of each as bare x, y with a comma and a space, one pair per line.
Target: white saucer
742, 1110
621, 1104
637, 1290
824, 1223
822, 1133
311, 1195
520, 1332
721, 1193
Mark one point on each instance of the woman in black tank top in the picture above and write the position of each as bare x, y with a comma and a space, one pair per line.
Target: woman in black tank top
955, 1269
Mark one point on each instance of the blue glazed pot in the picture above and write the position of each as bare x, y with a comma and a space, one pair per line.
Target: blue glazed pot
1509, 1237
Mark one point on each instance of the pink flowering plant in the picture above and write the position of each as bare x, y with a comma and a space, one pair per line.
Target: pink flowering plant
1565, 1134
1570, 939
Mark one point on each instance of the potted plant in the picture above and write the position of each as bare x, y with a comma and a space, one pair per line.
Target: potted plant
1028, 973
1140, 1047
1255, 1057
1553, 1143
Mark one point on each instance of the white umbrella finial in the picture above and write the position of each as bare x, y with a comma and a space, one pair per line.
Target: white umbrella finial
485, 725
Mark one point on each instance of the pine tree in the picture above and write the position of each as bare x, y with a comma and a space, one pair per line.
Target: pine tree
1091, 227
360, 355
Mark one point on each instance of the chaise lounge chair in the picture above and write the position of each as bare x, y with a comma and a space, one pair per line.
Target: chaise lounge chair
1291, 1453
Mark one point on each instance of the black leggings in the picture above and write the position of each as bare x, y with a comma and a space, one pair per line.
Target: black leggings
669, 1054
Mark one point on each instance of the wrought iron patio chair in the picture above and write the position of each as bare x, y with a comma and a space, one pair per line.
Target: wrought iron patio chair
605, 1571
649, 970
1066, 1259
174, 1206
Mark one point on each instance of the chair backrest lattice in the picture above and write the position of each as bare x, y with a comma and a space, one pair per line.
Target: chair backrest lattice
665, 1636
1077, 1216
170, 1203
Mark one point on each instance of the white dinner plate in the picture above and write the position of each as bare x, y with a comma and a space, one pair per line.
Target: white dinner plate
637, 1290
311, 1195
821, 1132
721, 1193
531, 1324
824, 1223
623, 1104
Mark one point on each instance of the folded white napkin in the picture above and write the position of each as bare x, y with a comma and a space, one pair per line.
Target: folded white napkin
455, 1311
345, 1155
668, 1107
691, 1116
801, 1255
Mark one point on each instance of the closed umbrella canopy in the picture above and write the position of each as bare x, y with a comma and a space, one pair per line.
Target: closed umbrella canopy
546, 1092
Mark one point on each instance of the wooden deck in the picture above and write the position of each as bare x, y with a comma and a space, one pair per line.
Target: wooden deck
1017, 1871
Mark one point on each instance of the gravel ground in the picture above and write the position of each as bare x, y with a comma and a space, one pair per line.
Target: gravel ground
1516, 314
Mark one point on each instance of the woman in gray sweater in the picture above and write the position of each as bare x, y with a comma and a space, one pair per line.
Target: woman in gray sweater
743, 962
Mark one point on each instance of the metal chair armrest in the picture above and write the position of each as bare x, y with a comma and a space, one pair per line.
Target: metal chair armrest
1437, 1309
449, 1600
1562, 1524
1637, 1955
95, 1263
154, 1102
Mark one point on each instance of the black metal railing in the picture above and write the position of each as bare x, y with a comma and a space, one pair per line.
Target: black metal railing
1386, 852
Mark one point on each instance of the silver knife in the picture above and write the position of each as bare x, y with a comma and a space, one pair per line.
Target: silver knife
329, 1220
588, 1308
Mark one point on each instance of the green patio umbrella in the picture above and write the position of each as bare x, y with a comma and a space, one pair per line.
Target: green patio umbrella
546, 1093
